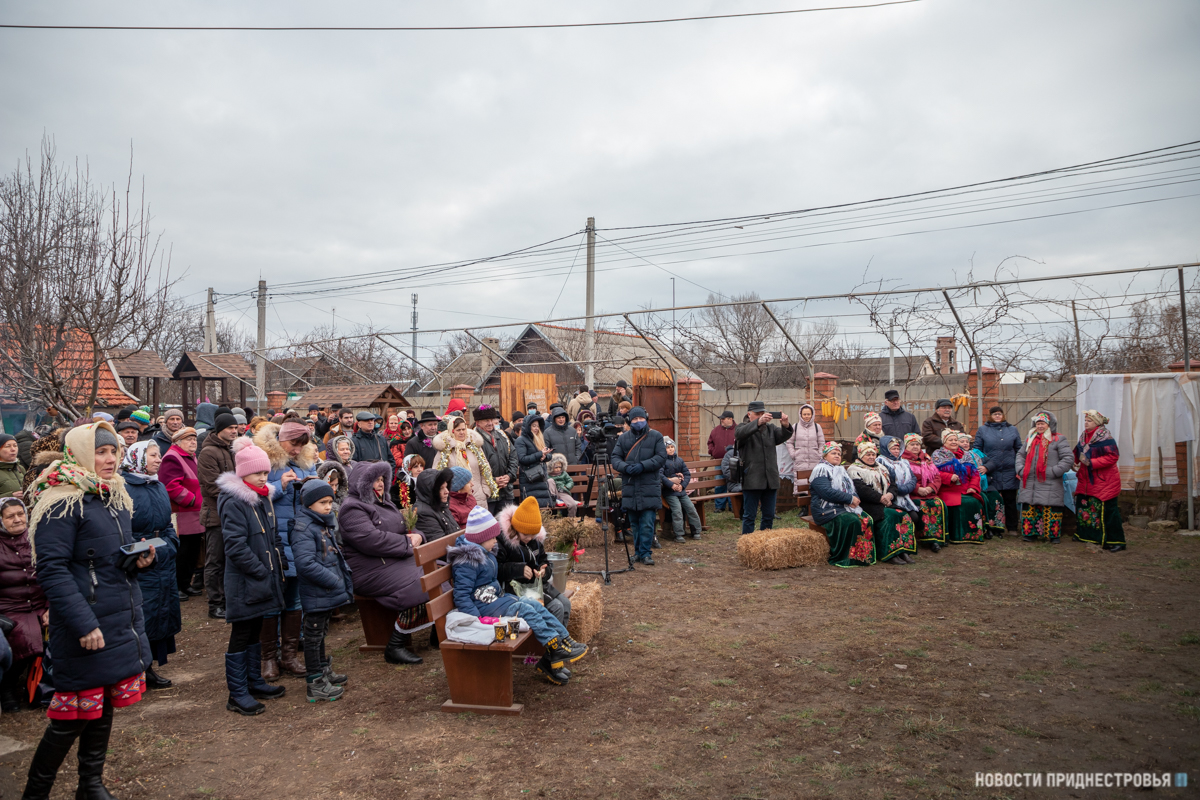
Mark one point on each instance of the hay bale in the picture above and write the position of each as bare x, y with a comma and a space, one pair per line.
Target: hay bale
561, 531
587, 610
782, 549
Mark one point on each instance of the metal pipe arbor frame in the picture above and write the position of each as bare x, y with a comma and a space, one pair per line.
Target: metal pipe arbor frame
975, 356
804, 355
670, 369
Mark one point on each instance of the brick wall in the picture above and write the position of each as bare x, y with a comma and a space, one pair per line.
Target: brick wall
688, 436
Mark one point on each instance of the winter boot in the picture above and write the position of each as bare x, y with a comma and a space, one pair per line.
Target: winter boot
433, 640
399, 650
255, 682
237, 678
268, 640
290, 659
49, 756
679, 538
336, 678
565, 649
156, 681
557, 675
93, 750
196, 587
321, 689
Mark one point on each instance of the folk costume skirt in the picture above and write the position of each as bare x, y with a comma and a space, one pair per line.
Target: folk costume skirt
896, 533
964, 523
1098, 521
850, 540
1042, 523
931, 520
993, 511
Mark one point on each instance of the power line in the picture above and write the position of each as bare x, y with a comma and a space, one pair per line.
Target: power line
413, 28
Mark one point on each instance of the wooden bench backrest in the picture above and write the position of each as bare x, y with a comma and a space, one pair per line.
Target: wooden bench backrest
426, 556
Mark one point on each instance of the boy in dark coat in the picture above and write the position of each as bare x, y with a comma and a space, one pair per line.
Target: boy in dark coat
325, 585
675, 477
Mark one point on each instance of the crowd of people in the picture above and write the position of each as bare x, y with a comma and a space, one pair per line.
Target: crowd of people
110, 524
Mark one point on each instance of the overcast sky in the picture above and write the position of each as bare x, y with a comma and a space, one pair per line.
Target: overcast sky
296, 156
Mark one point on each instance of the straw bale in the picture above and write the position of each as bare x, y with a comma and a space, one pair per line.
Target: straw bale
782, 549
561, 531
587, 610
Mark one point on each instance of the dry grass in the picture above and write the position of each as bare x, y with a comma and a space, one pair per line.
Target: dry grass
587, 610
782, 549
562, 531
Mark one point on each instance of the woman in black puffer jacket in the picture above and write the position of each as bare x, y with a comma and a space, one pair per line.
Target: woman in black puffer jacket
533, 456
433, 510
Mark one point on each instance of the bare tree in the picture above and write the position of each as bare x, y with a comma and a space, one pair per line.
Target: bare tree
80, 271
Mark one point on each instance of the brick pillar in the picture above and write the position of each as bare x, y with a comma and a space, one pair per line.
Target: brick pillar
991, 396
688, 435
275, 401
824, 387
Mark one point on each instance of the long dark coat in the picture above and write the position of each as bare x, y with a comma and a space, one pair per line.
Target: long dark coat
376, 546
254, 561
999, 443
756, 448
78, 557
502, 458
529, 457
641, 492
21, 598
160, 593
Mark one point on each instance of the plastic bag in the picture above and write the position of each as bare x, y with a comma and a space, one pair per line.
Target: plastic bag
529, 591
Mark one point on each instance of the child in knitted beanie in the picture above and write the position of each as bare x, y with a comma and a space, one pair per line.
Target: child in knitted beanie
462, 495
561, 484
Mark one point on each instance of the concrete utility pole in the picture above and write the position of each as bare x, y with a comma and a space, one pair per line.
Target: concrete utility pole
892, 355
1187, 368
260, 361
414, 329
210, 325
589, 327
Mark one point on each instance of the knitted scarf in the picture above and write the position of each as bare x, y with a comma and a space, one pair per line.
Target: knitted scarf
1036, 447
61, 487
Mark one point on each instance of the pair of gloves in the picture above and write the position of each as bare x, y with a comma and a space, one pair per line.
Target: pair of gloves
634, 468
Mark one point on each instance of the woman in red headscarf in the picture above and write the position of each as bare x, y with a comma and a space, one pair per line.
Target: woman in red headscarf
1099, 518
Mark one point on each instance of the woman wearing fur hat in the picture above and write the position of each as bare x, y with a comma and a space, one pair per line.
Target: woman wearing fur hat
477, 591
521, 554
293, 461
81, 518
254, 567
460, 446
379, 548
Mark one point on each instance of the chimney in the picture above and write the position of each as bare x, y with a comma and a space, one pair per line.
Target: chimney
488, 358
946, 355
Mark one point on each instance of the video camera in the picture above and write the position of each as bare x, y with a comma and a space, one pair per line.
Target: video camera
602, 433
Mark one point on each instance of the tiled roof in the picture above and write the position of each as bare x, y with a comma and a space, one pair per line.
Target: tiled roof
350, 396
214, 366
138, 363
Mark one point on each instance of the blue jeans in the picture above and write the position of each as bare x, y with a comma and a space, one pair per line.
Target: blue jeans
725, 503
542, 624
642, 524
751, 500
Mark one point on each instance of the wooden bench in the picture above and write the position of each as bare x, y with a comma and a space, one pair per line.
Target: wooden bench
706, 477
480, 676
377, 624
814, 526
803, 492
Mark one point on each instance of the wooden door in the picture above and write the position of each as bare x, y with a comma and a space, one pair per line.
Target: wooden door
659, 402
517, 389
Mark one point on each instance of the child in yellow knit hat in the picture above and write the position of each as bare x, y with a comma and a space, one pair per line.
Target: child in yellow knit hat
521, 552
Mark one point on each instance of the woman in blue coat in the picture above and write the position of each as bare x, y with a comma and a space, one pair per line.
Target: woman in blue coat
999, 443
81, 519
159, 584
254, 567
293, 461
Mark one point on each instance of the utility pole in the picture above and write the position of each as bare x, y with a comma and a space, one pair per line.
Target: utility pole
589, 328
1078, 341
892, 355
260, 360
674, 332
210, 325
1187, 368
414, 329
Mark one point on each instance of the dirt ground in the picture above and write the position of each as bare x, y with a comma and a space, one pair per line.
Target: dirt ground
710, 680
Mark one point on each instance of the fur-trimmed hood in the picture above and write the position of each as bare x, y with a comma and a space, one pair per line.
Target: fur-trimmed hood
343, 488
237, 488
505, 519
463, 550
366, 473
442, 440
268, 439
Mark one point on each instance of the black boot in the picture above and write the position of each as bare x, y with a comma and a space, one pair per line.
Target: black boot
196, 587
433, 640
237, 678
399, 650
51, 752
156, 681
93, 750
554, 671
258, 686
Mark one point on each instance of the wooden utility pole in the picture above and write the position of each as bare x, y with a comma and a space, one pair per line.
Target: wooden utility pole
1078, 341
589, 327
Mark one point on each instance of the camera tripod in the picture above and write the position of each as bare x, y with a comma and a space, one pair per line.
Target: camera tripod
602, 469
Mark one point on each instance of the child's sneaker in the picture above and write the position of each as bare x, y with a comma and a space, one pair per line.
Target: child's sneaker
336, 678
321, 689
558, 676
566, 649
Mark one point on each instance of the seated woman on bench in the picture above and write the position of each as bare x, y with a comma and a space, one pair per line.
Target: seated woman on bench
838, 510
478, 592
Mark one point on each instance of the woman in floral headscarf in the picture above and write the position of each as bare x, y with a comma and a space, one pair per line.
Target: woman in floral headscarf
895, 532
460, 446
1099, 518
960, 492
931, 522
839, 512
872, 430
1041, 462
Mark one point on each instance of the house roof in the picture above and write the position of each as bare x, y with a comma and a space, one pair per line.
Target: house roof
617, 354
876, 370
213, 366
363, 395
138, 363
75, 365
463, 369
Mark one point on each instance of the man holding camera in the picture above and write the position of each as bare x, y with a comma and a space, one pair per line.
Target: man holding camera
638, 455
756, 441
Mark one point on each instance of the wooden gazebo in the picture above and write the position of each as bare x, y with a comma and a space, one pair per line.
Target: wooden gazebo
202, 368
140, 371
378, 397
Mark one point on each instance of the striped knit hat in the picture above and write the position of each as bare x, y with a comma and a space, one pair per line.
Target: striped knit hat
481, 526
140, 416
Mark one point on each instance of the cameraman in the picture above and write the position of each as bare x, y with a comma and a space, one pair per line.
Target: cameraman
638, 455
756, 442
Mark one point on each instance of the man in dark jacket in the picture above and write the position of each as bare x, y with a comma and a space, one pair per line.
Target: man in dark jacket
427, 428
501, 456
319, 419
344, 426
756, 443
719, 440
172, 421
638, 455
369, 445
931, 429
620, 392
896, 421
561, 436
215, 458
